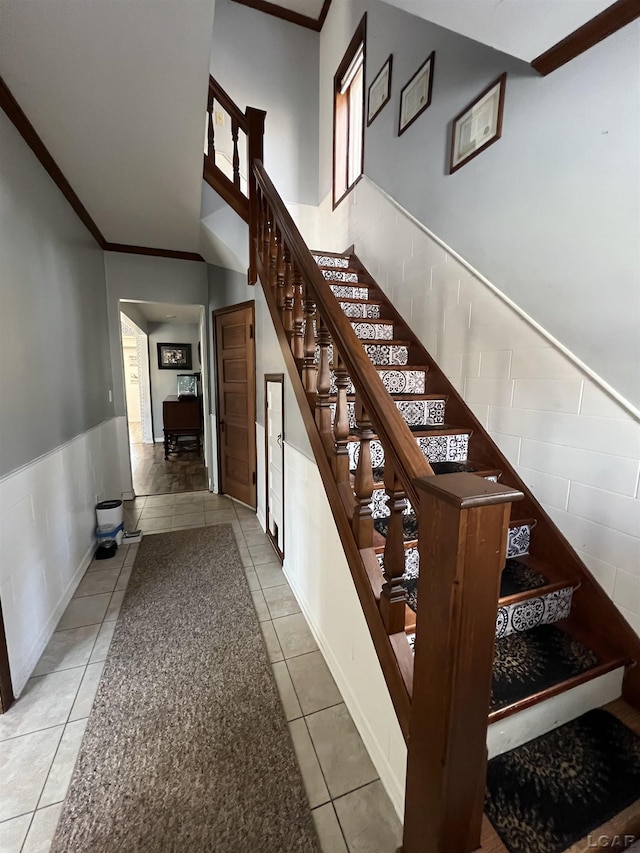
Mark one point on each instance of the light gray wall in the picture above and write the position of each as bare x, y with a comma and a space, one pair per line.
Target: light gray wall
165, 382
147, 279
132, 311
230, 288
551, 212
55, 375
264, 62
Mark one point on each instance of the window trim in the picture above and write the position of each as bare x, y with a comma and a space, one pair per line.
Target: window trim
359, 38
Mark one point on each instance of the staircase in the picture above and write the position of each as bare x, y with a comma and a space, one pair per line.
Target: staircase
492, 635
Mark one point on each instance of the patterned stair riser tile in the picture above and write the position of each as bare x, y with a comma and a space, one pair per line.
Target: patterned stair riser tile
329, 261
543, 610
347, 291
361, 310
415, 412
395, 381
378, 353
338, 275
373, 331
436, 448
519, 540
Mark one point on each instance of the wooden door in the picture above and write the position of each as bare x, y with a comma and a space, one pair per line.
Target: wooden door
236, 398
274, 458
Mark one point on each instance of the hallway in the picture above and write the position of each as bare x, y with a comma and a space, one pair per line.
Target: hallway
155, 475
41, 735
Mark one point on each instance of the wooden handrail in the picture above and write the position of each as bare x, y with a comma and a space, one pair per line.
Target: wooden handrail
396, 437
216, 92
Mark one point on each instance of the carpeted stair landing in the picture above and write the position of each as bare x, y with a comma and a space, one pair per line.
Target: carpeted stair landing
187, 749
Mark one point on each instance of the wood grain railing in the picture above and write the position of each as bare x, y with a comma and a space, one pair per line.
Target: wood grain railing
441, 695
234, 139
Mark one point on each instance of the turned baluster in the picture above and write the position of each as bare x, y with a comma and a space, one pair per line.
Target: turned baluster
297, 342
341, 421
287, 314
274, 238
266, 233
309, 367
363, 485
394, 596
236, 156
280, 271
211, 151
323, 402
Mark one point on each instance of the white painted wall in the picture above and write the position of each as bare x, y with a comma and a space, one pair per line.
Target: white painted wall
575, 446
551, 212
264, 62
47, 518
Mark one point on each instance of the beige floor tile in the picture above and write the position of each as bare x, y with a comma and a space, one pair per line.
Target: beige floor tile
103, 642
188, 509
155, 532
262, 554
261, 605
124, 577
314, 783
219, 516
55, 789
192, 519
43, 828
13, 833
149, 525
45, 702
328, 829
314, 684
281, 601
87, 692
288, 696
94, 583
132, 551
115, 604
254, 538
67, 649
252, 579
270, 574
159, 500
294, 635
26, 761
274, 651
247, 562
344, 760
88, 610
165, 511
368, 820
115, 562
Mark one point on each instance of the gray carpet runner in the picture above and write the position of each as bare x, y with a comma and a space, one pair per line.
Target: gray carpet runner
187, 749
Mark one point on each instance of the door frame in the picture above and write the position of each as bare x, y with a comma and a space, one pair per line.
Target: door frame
219, 312
276, 378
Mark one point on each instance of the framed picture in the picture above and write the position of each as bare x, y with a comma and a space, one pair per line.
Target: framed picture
416, 95
478, 125
379, 91
174, 356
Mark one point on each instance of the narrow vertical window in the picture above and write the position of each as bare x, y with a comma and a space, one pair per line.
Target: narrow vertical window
348, 116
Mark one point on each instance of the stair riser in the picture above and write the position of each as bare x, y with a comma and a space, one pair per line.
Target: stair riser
373, 331
543, 610
361, 310
378, 353
395, 381
349, 291
414, 412
519, 540
436, 448
340, 277
329, 261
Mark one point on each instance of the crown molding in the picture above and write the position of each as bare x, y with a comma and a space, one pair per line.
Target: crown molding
288, 14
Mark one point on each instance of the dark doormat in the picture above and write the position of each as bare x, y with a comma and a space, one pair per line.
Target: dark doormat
547, 794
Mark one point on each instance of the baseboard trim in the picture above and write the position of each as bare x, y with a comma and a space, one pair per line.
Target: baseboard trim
392, 786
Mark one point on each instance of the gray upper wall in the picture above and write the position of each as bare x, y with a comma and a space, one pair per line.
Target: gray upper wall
551, 212
55, 375
264, 62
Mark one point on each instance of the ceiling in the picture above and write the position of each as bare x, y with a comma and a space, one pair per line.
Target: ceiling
166, 312
521, 28
117, 92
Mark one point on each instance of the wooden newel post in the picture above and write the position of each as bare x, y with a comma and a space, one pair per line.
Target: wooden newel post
255, 151
462, 539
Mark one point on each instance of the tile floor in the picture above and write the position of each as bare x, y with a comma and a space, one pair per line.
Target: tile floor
41, 734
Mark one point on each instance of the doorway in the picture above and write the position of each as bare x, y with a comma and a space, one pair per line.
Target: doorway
274, 458
233, 333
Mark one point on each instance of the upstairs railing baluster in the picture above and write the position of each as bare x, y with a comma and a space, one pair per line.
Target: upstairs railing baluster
211, 150
280, 270
297, 343
287, 314
236, 156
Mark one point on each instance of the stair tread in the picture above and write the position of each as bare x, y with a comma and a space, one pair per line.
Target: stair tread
426, 430
530, 663
398, 398
352, 299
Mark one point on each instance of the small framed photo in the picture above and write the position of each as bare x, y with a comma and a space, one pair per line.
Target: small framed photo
379, 91
416, 95
478, 125
174, 356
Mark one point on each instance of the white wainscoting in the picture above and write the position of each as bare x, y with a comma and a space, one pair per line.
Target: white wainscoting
47, 519
575, 443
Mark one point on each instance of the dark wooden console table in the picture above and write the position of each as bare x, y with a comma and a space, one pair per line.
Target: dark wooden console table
180, 418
